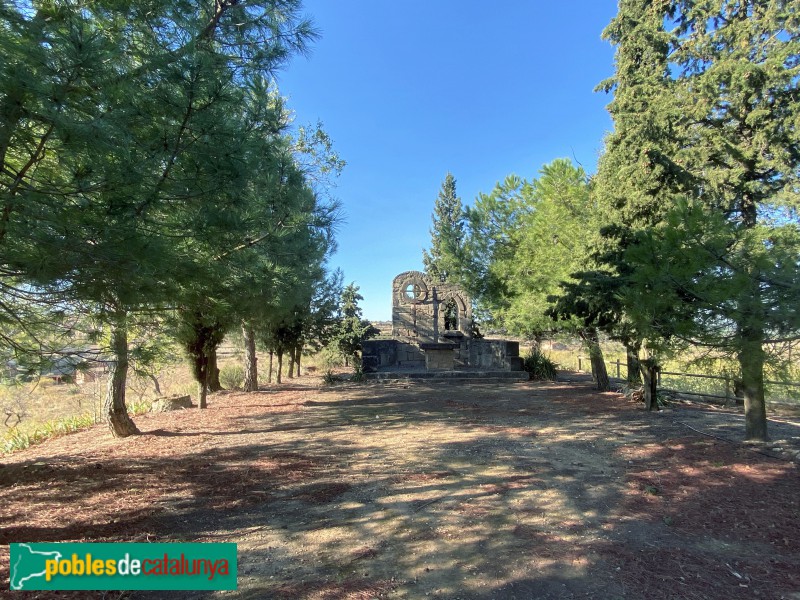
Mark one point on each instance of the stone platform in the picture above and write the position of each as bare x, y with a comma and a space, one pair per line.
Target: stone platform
433, 338
450, 375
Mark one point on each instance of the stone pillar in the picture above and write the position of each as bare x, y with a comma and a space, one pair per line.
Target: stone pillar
435, 317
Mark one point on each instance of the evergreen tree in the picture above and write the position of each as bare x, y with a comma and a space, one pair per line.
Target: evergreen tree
637, 175
444, 262
321, 320
526, 239
352, 329
594, 297
638, 172
490, 225
119, 148
551, 236
714, 260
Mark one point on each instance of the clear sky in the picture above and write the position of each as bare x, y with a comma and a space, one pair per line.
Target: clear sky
411, 90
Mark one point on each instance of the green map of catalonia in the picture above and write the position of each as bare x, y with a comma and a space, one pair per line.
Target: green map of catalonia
27, 564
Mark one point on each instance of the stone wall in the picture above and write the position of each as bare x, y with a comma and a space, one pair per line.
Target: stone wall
438, 357
418, 308
502, 355
489, 355
377, 354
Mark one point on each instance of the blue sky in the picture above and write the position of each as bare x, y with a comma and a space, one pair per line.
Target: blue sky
409, 91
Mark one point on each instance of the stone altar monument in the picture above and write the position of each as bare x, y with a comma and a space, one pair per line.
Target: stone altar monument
432, 332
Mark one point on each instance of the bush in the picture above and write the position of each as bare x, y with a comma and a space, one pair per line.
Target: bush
331, 357
330, 378
358, 375
539, 366
15, 439
232, 376
139, 408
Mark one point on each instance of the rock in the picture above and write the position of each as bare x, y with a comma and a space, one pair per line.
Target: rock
171, 403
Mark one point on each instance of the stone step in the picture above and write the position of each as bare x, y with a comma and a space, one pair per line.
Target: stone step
448, 375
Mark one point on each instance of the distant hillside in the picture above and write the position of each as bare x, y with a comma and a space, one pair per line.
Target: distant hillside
384, 326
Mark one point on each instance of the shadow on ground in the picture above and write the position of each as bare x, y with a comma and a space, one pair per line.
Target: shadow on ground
432, 490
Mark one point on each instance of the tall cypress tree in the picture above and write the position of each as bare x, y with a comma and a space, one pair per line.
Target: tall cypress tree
444, 261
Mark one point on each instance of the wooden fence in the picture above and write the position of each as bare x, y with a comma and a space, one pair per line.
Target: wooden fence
728, 386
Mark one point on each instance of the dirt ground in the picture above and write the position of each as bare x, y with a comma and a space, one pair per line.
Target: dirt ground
432, 490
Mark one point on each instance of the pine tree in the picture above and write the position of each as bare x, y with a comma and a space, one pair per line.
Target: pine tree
352, 329
119, 151
638, 172
444, 261
529, 237
488, 243
714, 261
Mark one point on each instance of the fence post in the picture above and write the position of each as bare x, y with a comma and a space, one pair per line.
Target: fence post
579, 364
727, 388
618, 377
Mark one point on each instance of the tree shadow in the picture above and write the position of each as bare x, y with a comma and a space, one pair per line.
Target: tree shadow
524, 491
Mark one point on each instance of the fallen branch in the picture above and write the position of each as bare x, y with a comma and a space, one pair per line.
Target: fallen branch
704, 433
733, 442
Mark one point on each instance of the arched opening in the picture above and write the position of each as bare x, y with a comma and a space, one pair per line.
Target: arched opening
450, 311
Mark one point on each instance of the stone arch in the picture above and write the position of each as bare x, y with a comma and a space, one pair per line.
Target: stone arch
457, 299
449, 310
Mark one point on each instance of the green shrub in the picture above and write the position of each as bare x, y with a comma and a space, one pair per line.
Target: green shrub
140, 408
330, 378
232, 376
14, 439
331, 357
539, 366
358, 374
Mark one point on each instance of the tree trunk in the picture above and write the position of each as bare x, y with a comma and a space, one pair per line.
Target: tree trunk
751, 361
632, 357
536, 343
250, 359
114, 407
214, 384
201, 376
290, 370
299, 353
751, 339
650, 370
271, 355
599, 372
202, 394
280, 366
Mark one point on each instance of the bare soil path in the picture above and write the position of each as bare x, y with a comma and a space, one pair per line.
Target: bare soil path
423, 490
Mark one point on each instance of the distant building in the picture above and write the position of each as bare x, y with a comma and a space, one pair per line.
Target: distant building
90, 373
63, 369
